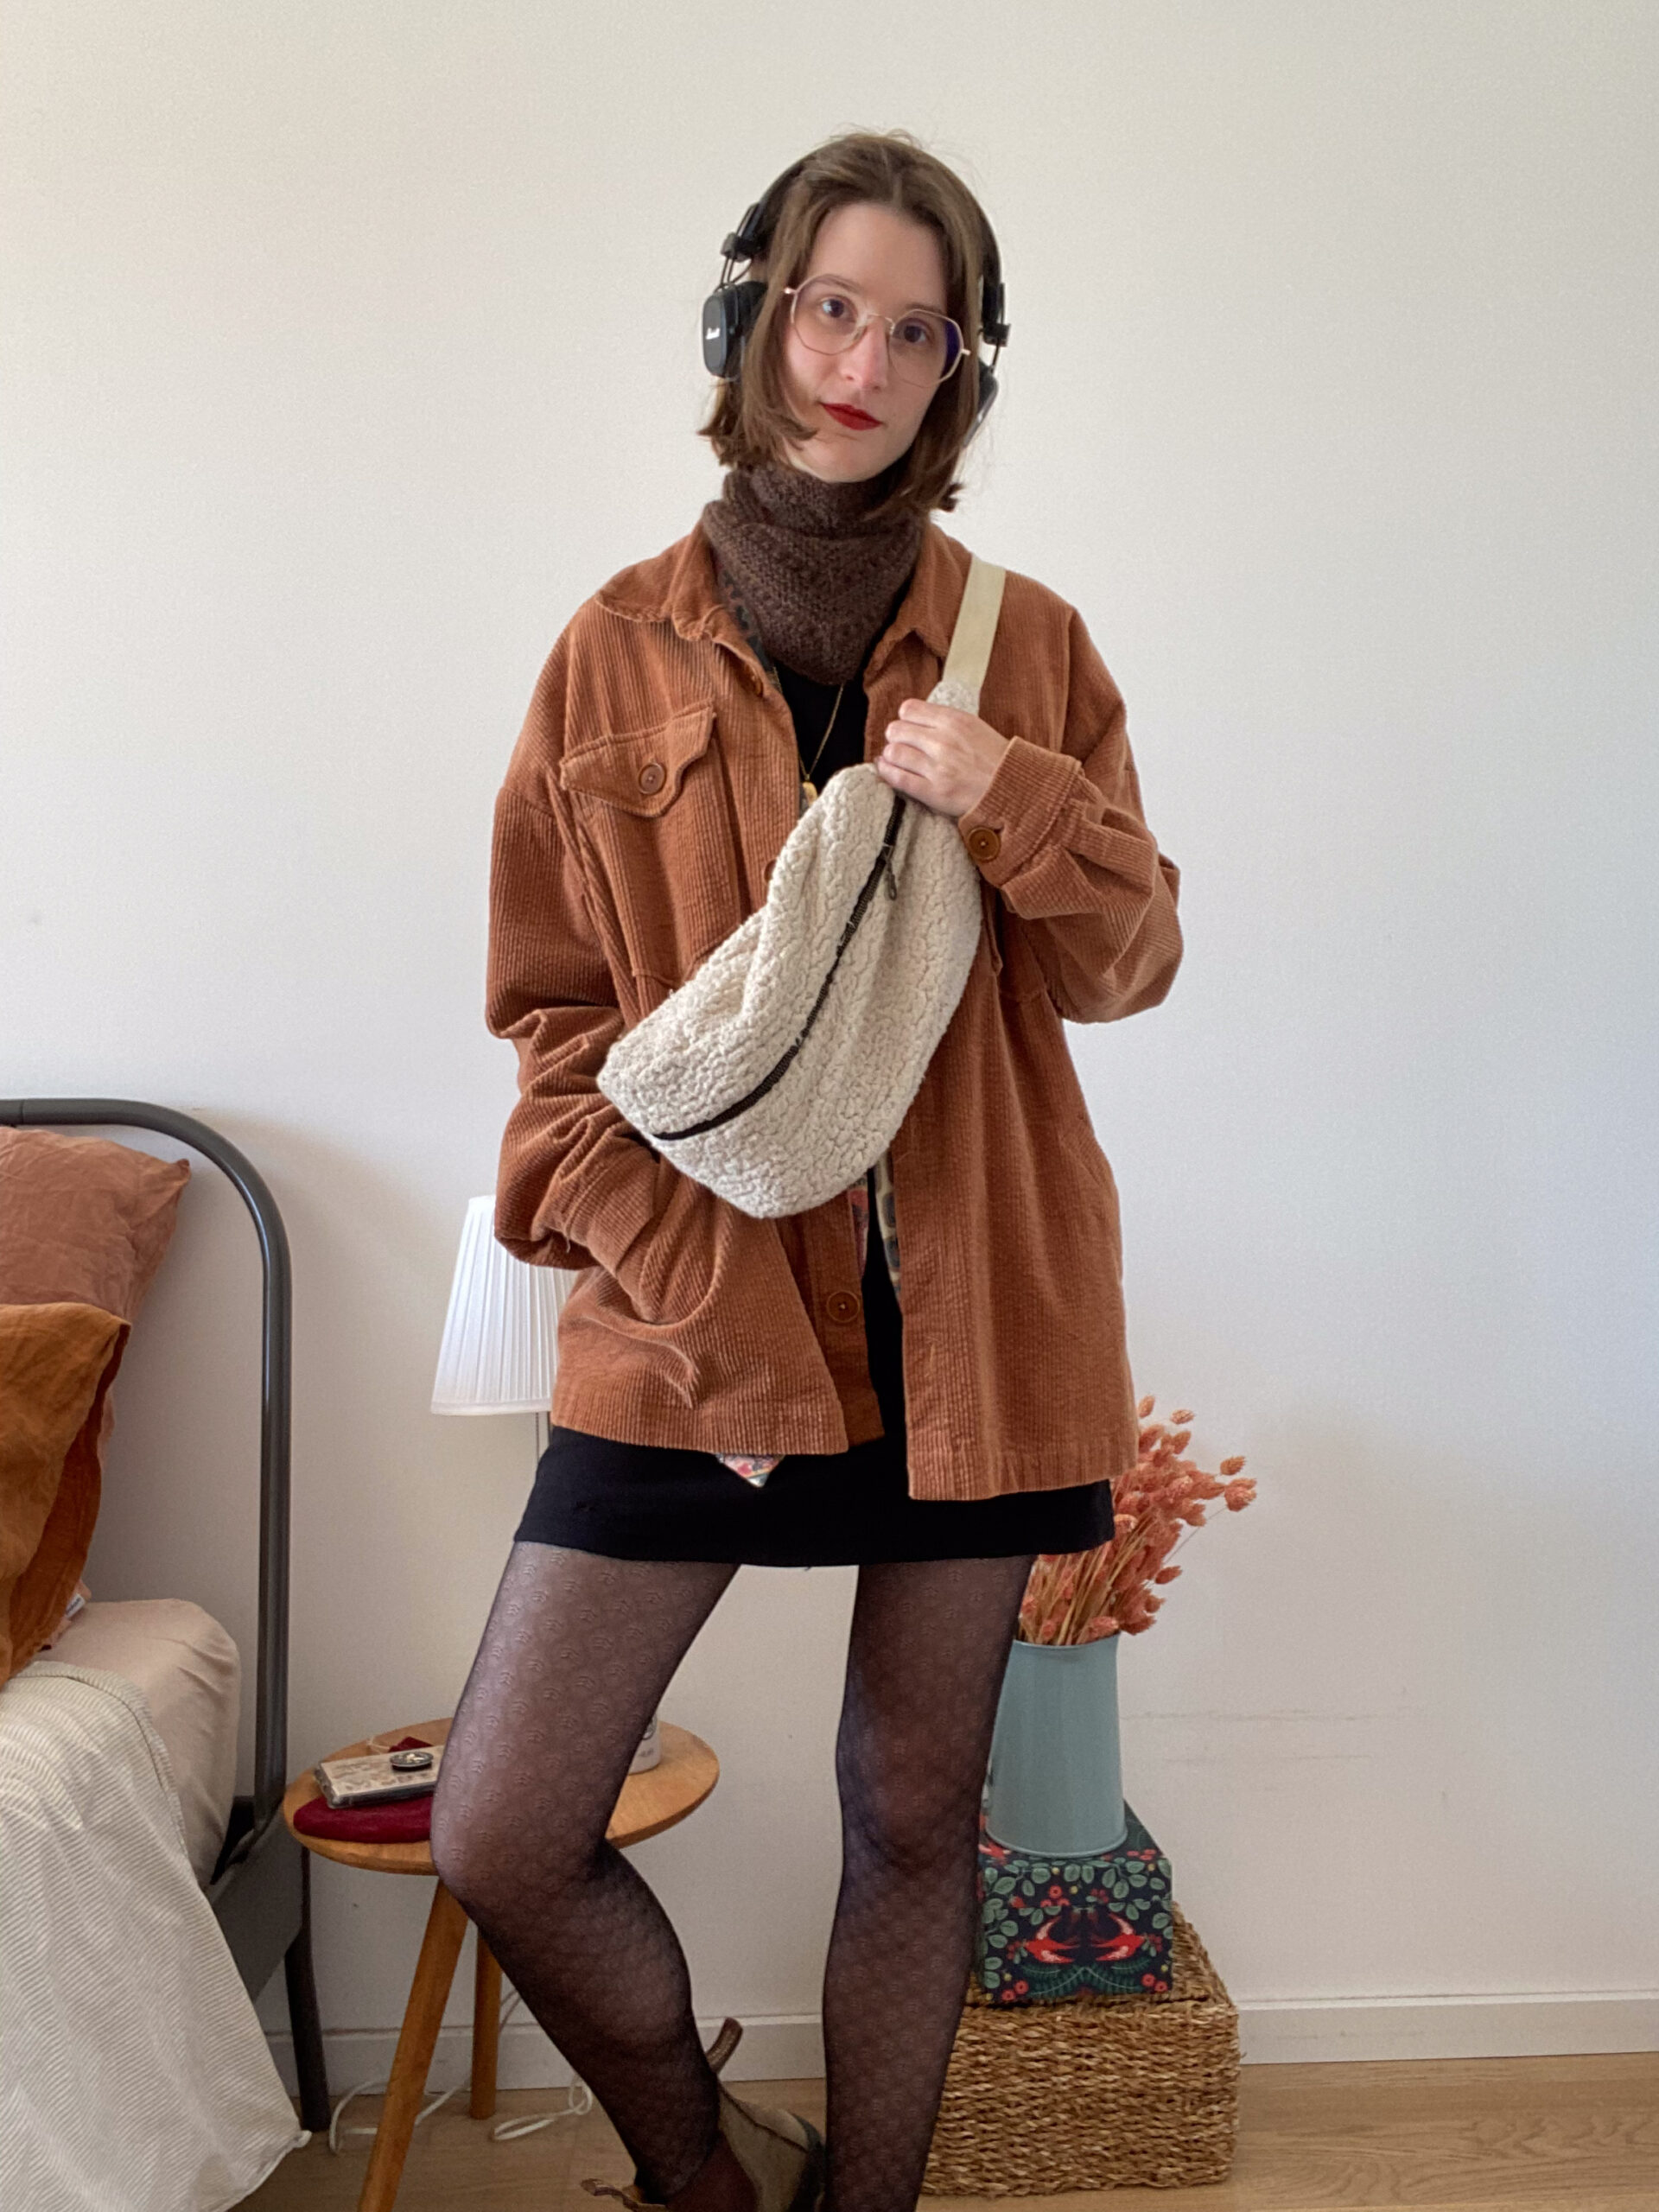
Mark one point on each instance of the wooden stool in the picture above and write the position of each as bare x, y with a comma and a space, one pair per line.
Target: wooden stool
648, 1803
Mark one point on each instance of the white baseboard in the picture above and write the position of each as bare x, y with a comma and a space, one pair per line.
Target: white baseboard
1294, 2031
1282, 2031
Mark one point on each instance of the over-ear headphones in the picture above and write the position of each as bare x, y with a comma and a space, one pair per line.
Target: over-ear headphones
730, 311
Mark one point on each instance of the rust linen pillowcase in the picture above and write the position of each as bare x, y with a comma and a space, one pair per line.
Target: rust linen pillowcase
83, 1220
57, 1363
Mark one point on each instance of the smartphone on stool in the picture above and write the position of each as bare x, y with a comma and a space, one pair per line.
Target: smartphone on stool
380, 1778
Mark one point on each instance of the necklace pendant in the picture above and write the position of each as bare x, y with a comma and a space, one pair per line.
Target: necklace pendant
809, 790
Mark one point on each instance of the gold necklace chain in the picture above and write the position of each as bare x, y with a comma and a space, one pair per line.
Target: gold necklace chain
807, 783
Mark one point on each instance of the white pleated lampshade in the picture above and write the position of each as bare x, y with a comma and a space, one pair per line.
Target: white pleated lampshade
500, 1339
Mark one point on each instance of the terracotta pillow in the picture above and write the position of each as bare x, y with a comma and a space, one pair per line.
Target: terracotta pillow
57, 1363
83, 1221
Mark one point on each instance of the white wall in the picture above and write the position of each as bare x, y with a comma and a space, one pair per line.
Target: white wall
351, 346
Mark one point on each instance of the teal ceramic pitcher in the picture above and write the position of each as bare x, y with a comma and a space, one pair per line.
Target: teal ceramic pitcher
1054, 1785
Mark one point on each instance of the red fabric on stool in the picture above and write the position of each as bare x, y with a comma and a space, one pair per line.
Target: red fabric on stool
406, 1820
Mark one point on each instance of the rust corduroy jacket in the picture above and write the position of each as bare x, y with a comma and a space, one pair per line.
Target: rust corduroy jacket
653, 784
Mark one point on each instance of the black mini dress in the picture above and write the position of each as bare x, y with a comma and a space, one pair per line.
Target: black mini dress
836, 1508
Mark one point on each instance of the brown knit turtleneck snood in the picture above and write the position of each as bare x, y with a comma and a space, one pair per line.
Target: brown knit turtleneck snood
817, 572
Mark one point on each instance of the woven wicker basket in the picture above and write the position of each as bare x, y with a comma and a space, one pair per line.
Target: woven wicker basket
1095, 2092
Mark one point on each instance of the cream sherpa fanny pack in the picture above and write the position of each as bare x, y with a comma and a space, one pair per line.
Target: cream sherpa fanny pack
780, 1070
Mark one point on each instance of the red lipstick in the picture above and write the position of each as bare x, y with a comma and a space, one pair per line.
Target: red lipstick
853, 417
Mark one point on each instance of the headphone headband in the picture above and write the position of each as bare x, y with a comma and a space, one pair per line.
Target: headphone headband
729, 311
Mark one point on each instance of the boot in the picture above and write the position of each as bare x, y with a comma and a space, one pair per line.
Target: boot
781, 2154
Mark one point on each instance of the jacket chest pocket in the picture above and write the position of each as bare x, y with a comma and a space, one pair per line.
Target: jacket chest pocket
655, 811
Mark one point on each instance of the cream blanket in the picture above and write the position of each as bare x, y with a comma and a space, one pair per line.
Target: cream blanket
133, 2070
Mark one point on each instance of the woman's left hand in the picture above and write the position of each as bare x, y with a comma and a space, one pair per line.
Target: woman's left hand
940, 755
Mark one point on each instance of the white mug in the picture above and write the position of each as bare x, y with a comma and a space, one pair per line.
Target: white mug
650, 1752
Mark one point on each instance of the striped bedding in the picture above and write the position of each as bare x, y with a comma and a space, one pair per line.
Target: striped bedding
133, 2070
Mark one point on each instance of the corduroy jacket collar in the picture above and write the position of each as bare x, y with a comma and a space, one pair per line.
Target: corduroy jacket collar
678, 585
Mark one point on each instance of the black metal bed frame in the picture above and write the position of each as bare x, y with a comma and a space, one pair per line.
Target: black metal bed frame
261, 1886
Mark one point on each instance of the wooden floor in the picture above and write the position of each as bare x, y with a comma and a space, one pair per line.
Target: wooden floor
1534, 2135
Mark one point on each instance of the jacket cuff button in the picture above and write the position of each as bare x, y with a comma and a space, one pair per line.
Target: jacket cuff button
984, 844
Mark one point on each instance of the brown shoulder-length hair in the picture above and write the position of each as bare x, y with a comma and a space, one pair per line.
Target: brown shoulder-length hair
750, 422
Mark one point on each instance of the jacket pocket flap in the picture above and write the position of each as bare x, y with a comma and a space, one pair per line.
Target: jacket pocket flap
640, 771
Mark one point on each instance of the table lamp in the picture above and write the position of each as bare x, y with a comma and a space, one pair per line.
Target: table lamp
500, 1338
500, 1348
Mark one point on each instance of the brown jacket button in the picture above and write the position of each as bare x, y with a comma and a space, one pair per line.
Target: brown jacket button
984, 844
653, 776
843, 1306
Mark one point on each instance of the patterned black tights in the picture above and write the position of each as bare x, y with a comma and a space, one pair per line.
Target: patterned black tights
576, 1656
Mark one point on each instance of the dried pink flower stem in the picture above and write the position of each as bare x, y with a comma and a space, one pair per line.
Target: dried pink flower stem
1077, 1597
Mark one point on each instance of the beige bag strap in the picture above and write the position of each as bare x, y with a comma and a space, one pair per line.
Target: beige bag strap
971, 640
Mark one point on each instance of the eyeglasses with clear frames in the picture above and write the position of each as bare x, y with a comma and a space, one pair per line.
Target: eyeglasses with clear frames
830, 317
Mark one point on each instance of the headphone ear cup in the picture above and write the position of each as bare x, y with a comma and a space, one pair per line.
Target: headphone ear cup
728, 315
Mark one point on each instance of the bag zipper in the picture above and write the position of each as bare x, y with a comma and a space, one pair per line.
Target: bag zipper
866, 891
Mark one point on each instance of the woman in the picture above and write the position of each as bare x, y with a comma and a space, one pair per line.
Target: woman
926, 1377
